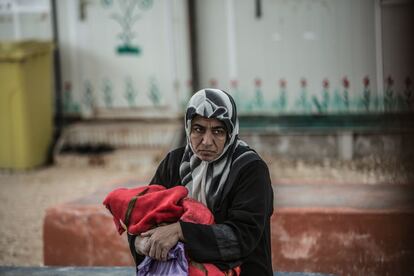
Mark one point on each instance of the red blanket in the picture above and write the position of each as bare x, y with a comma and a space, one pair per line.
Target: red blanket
140, 209
154, 205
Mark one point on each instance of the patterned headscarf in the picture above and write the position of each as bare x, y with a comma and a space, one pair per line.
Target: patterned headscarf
205, 179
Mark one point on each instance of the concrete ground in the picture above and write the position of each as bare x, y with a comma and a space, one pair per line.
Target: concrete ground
24, 196
97, 271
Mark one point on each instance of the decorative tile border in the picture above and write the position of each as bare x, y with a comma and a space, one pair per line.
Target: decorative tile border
328, 101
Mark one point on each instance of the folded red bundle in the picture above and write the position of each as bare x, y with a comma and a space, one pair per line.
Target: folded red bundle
153, 205
196, 212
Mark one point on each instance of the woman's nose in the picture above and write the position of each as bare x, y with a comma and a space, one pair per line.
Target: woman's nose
207, 138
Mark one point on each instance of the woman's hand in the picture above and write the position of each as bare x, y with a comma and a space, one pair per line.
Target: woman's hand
162, 239
142, 245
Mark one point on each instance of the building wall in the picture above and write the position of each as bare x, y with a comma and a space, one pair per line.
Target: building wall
124, 58
290, 57
279, 57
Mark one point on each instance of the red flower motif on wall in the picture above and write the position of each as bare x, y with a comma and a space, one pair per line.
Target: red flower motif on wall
325, 83
282, 83
234, 83
345, 82
190, 83
303, 82
258, 82
213, 83
365, 81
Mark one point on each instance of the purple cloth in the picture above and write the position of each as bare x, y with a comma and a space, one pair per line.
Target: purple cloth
176, 264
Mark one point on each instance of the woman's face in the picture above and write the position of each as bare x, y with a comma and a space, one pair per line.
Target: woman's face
207, 137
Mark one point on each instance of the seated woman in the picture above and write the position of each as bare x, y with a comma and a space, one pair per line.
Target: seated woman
230, 178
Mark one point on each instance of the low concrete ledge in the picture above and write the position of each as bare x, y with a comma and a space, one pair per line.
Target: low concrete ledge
307, 236
343, 241
83, 235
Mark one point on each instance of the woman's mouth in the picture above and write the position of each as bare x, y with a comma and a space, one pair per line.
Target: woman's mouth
206, 154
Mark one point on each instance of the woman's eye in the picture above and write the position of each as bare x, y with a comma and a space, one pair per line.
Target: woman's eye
197, 129
219, 132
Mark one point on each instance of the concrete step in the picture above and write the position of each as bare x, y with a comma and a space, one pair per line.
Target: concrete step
327, 228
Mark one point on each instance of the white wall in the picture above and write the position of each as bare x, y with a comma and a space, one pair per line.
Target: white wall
97, 78
293, 39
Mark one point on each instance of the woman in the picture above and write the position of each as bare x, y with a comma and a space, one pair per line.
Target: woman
230, 178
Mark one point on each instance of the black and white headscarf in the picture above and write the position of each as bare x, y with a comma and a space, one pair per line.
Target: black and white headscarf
205, 180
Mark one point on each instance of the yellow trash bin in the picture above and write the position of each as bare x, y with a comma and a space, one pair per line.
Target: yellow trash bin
26, 103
